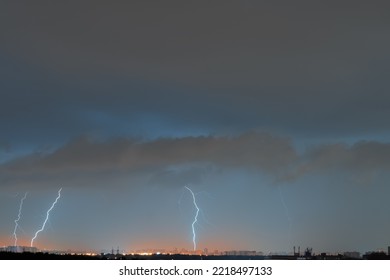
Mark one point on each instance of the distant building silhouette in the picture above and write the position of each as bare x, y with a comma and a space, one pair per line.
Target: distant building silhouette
376, 256
297, 254
19, 249
241, 253
308, 253
352, 255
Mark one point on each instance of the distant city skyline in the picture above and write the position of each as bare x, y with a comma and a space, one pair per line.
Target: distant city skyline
275, 115
296, 251
25, 252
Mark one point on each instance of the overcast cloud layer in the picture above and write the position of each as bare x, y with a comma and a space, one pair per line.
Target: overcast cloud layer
263, 153
73, 67
252, 103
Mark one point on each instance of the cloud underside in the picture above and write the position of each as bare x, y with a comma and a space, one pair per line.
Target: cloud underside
318, 69
176, 161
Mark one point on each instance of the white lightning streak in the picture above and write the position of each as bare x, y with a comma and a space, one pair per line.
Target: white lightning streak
195, 219
19, 216
47, 217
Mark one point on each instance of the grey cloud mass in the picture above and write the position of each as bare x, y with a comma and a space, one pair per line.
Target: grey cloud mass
360, 159
122, 103
276, 62
261, 152
177, 161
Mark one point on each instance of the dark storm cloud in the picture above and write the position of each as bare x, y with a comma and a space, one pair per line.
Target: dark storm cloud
177, 161
359, 160
243, 64
198, 41
180, 158
360, 156
165, 94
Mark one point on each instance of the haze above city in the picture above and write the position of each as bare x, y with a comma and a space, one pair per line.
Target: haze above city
274, 113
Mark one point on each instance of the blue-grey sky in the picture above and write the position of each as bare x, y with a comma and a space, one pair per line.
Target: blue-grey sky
275, 113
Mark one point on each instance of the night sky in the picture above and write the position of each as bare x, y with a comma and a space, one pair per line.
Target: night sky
275, 113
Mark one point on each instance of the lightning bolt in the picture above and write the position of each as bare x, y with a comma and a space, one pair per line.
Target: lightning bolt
195, 218
47, 217
19, 216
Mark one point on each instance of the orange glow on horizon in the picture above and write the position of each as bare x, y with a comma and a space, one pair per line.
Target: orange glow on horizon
168, 247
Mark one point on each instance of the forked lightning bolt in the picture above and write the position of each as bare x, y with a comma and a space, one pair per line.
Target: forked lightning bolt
19, 216
47, 217
195, 219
